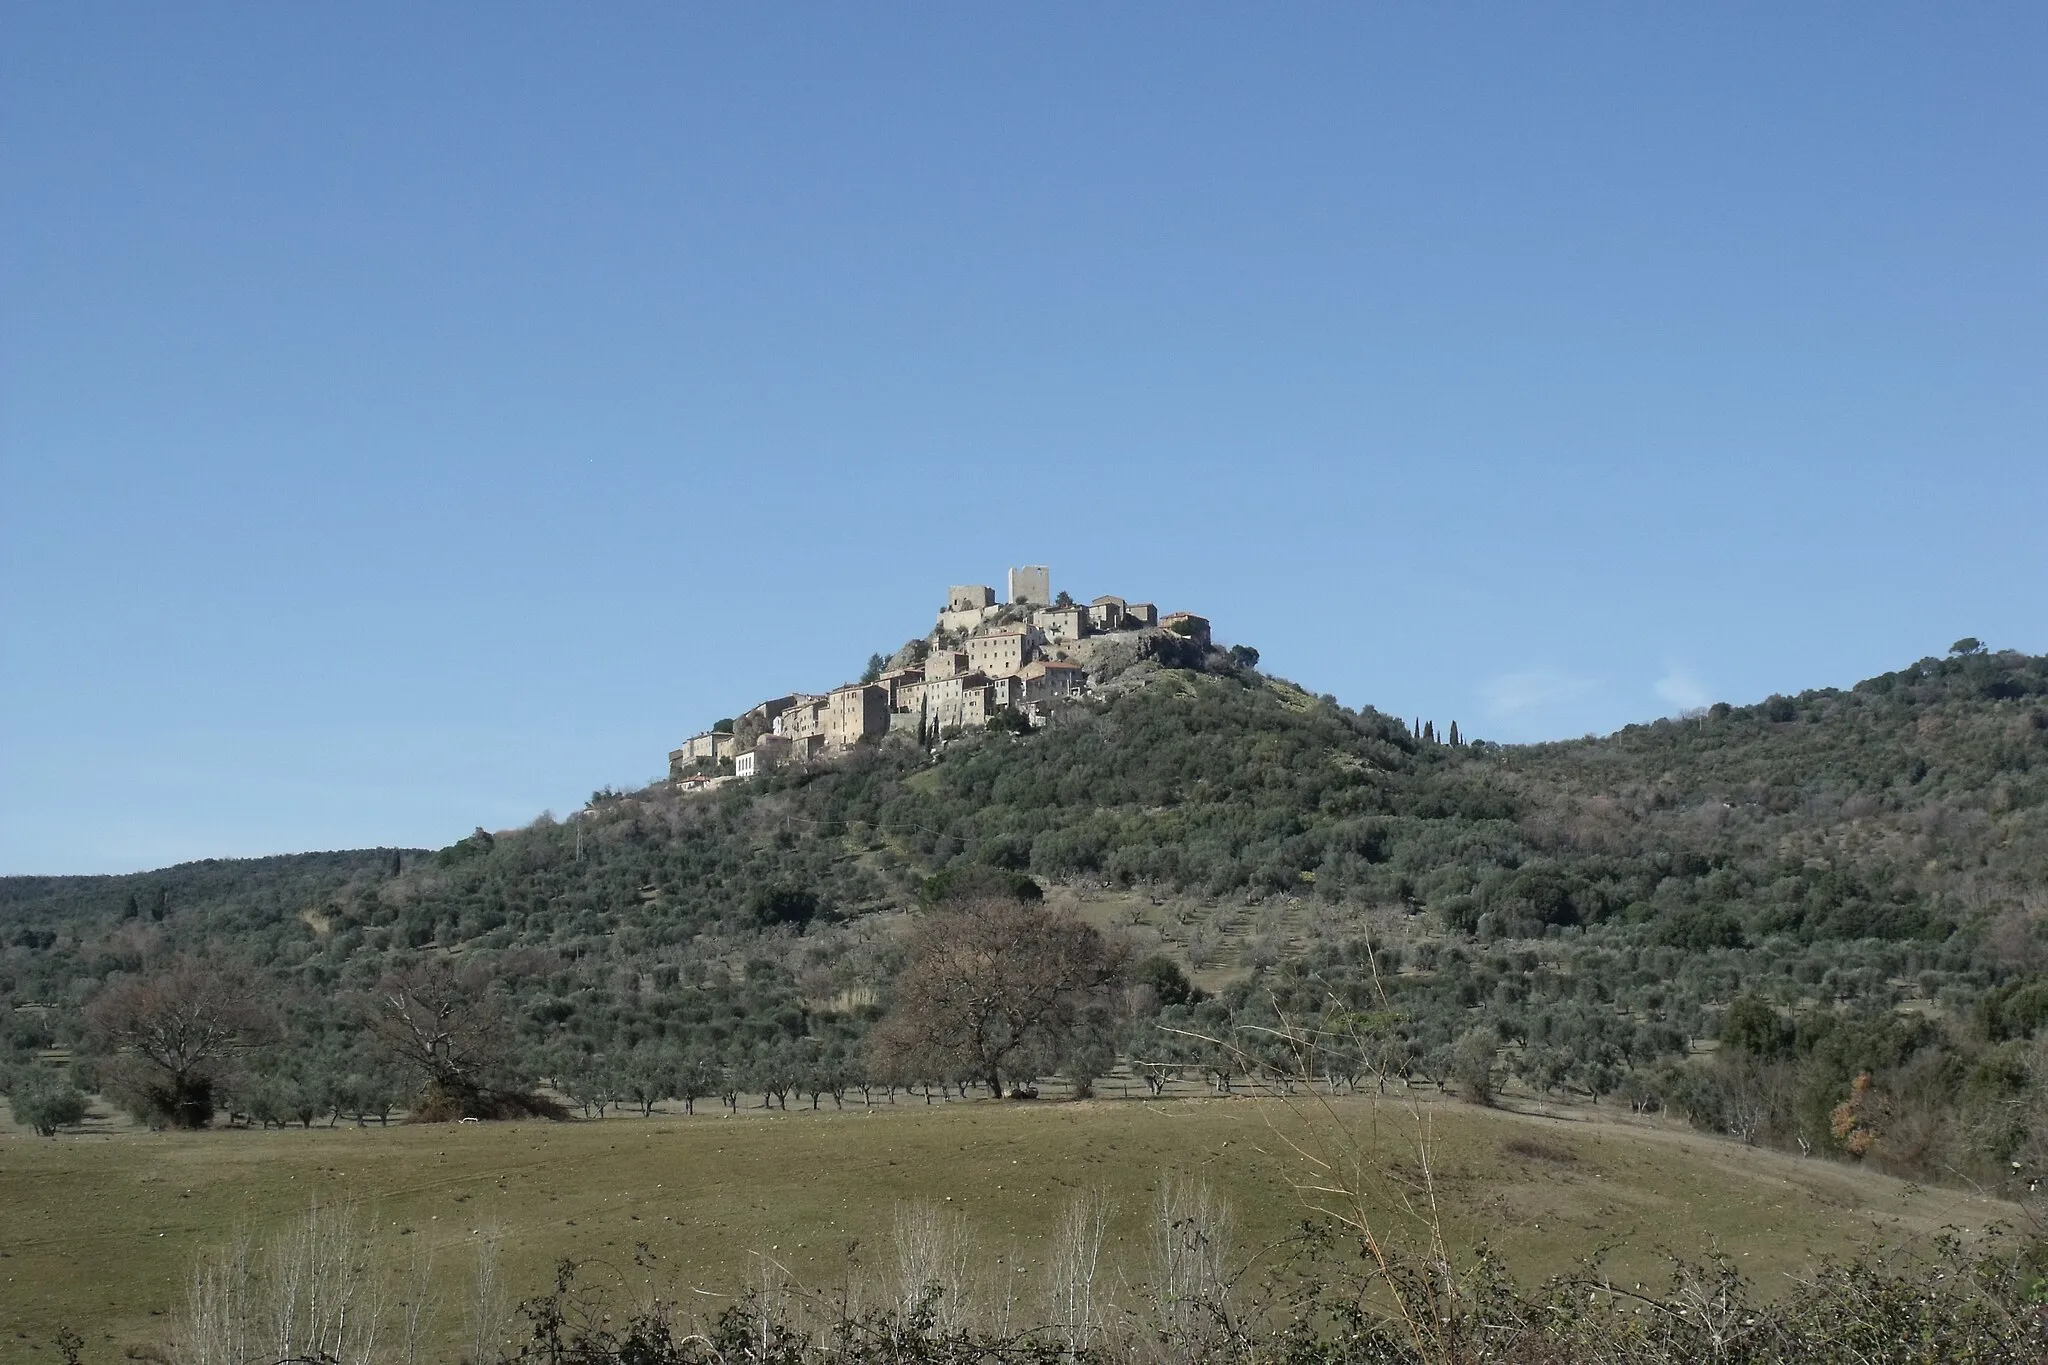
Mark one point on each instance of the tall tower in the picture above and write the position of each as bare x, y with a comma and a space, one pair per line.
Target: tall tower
1033, 584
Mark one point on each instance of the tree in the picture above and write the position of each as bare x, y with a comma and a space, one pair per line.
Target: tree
1752, 1026
1472, 1065
1170, 985
445, 1028
177, 1034
43, 1102
1244, 656
1969, 644
995, 989
773, 905
876, 663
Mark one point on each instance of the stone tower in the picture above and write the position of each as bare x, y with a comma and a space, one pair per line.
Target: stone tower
1033, 584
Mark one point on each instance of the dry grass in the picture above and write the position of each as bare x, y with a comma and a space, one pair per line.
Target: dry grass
100, 1232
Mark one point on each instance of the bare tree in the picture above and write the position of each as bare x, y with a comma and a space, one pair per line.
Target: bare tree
995, 989
177, 1035
445, 1027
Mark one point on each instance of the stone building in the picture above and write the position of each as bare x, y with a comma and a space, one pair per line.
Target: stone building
768, 754
944, 663
1046, 681
1031, 584
1106, 614
757, 721
968, 606
1186, 623
999, 653
1140, 616
1059, 625
713, 746
977, 704
945, 701
895, 681
803, 717
857, 711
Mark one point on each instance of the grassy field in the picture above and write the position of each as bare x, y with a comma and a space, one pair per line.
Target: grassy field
97, 1232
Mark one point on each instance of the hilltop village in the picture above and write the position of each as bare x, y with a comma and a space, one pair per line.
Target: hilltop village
984, 661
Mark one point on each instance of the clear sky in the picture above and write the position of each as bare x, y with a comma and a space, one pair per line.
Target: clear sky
414, 417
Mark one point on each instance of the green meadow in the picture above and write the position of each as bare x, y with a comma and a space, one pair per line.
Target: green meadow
98, 1232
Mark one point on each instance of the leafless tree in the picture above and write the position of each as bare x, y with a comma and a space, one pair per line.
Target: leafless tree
177, 1034
995, 989
444, 1026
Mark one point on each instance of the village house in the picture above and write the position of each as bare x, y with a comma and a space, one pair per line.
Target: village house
945, 700
858, 711
1000, 653
1106, 614
803, 717
768, 754
1058, 625
977, 704
1045, 682
895, 681
1186, 623
712, 747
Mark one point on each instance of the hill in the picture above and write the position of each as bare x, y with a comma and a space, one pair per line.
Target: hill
1851, 877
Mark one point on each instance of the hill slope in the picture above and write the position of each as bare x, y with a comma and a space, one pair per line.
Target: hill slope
1861, 862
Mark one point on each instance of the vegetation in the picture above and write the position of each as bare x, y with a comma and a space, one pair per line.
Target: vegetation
689, 1210
1816, 922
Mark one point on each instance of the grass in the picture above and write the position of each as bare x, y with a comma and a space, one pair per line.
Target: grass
97, 1232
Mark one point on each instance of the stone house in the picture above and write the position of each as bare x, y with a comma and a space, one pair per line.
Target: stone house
1106, 614
1186, 623
1047, 681
945, 700
1058, 625
768, 754
804, 717
1140, 616
758, 721
856, 712
895, 681
977, 704
1000, 653
944, 663
710, 748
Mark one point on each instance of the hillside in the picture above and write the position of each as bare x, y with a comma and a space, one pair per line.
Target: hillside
1864, 867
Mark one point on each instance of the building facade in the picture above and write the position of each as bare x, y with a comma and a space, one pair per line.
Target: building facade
857, 712
999, 653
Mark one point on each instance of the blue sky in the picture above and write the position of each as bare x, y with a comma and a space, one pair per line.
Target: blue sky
415, 417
